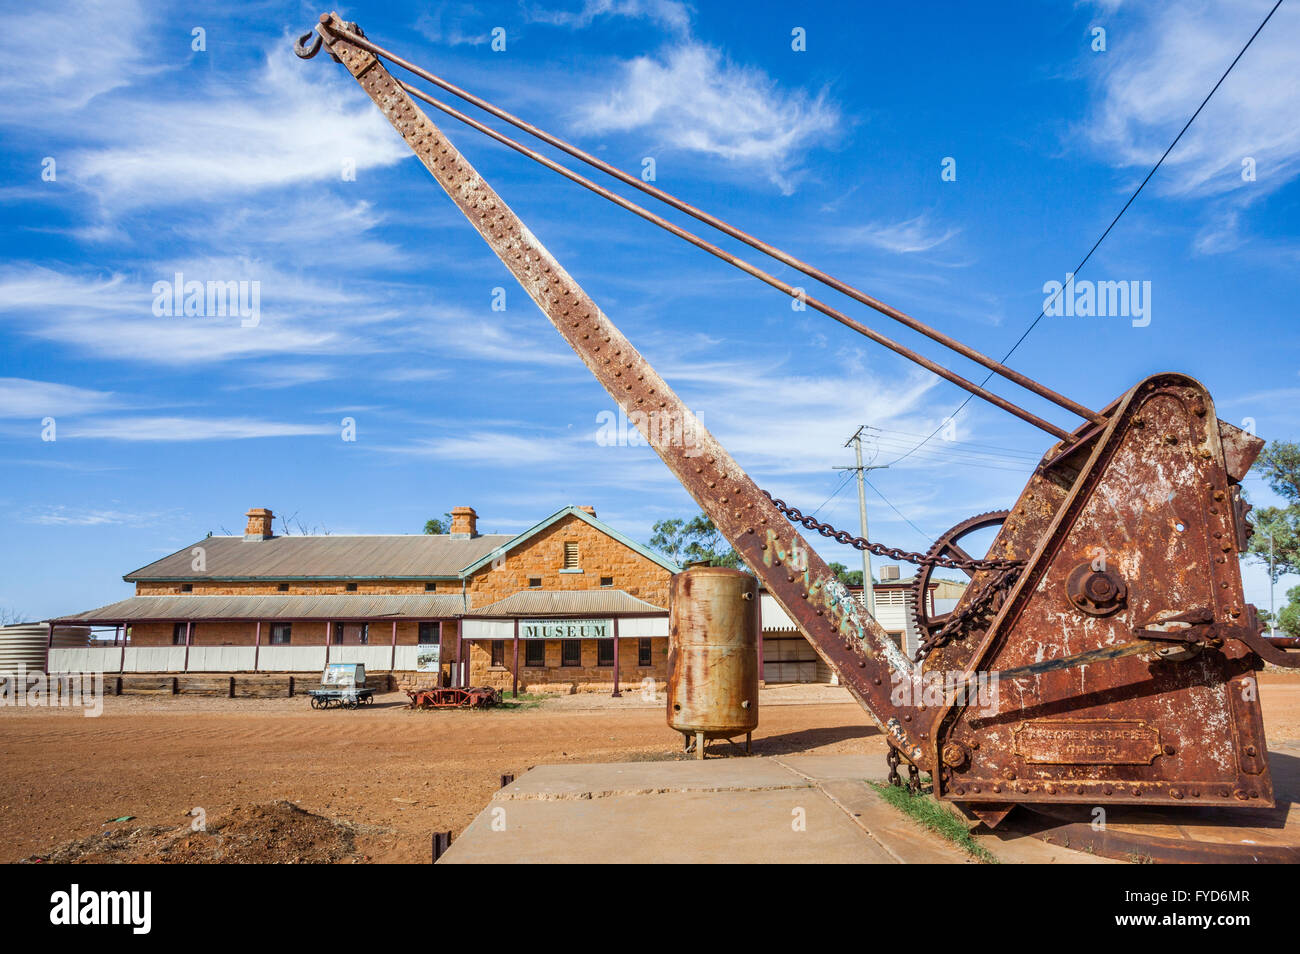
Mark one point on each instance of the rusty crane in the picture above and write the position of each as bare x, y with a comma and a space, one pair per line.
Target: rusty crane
1108, 612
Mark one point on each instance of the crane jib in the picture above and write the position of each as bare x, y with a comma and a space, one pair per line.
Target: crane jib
849, 640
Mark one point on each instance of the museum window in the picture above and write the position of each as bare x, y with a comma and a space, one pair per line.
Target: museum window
338, 634
643, 652
606, 581
282, 588
604, 652
535, 653
570, 652
570, 555
365, 634
431, 587
351, 587
534, 582
178, 634
281, 634
430, 633
498, 653
187, 587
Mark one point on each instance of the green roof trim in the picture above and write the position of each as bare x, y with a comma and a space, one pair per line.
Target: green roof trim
582, 515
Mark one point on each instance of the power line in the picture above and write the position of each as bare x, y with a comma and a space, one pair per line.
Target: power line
936, 455
1113, 222
923, 534
844, 482
1012, 451
949, 450
962, 447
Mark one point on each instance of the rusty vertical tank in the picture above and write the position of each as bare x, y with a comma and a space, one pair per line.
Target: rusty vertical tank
714, 622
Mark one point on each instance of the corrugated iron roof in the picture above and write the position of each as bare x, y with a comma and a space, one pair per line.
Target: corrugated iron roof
325, 607
602, 602
403, 556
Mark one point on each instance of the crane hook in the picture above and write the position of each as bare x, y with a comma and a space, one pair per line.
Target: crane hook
303, 49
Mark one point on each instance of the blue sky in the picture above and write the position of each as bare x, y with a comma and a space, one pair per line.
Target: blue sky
227, 164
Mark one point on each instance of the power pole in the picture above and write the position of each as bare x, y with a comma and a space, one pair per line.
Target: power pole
1272, 610
868, 592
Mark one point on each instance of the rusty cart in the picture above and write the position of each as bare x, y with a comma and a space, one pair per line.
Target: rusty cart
454, 697
342, 686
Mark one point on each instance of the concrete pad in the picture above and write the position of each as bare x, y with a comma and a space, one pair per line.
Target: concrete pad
604, 779
843, 765
1017, 848
738, 827
899, 836
814, 809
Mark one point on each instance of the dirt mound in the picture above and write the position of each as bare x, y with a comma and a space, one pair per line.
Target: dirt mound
276, 833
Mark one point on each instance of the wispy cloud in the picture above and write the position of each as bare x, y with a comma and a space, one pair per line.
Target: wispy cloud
189, 429
664, 13
692, 97
469, 24
70, 517
20, 397
291, 126
495, 446
455, 24
1164, 62
70, 54
111, 316
917, 234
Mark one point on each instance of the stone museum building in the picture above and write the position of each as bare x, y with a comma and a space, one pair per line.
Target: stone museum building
568, 605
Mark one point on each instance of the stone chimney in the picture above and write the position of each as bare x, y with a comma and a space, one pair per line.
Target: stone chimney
591, 511
259, 524
464, 523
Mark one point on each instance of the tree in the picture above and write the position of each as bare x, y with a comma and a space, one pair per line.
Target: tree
845, 575
292, 525
1288, 617
1279, 464
693, 541
435, 525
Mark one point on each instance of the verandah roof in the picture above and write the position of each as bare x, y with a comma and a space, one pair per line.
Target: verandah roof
602, 602
339, 606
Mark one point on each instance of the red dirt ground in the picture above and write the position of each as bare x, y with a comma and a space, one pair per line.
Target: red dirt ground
371, 784
393, 776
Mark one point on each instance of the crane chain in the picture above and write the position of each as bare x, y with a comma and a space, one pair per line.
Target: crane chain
978, 609
795, 515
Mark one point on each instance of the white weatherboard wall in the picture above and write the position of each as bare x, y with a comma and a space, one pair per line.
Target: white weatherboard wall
293, 658
106, 659
374, 658
488, 629
154, 659
641, 627
226, 658
221, 658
